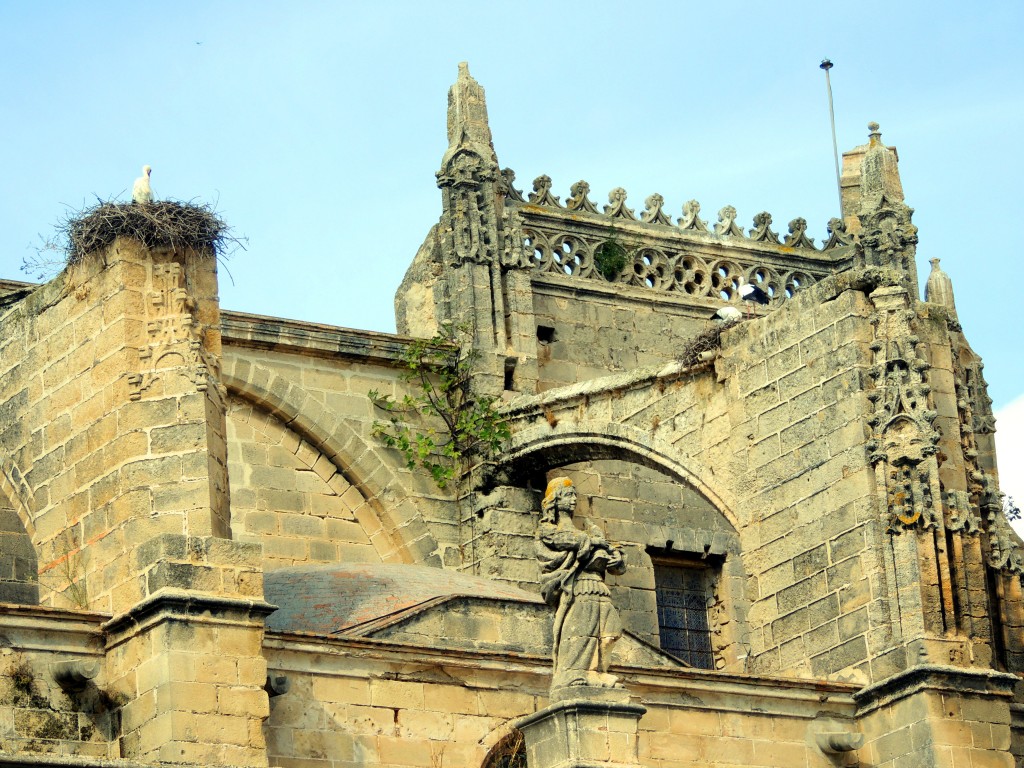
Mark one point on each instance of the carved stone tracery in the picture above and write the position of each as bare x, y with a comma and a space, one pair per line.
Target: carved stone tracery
173, 340
903, 442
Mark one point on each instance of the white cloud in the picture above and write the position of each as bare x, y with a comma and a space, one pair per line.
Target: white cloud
1010, 452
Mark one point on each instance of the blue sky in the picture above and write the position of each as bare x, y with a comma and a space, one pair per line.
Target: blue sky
316, 128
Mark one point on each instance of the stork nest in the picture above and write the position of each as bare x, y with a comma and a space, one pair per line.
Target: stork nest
707, 340
163, 224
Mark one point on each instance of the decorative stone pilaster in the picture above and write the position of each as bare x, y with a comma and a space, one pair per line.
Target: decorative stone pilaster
597, 728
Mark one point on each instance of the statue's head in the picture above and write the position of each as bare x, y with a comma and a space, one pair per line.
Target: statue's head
559, 496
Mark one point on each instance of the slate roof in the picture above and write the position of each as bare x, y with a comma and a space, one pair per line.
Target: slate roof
327, 599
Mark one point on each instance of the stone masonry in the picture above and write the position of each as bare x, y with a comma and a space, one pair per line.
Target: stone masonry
207, 557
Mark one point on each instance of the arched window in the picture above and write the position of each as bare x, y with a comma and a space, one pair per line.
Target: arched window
510, 752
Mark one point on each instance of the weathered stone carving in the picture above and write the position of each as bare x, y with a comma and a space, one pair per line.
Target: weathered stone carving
1004, 554
903, 444
573, 565
939, 289
797, 237
580, 200
981, 403
838, 235
617, 205
507, 185
691, 217
653, 213
541, 194
961, 516
173, 339
762, 231
727, 226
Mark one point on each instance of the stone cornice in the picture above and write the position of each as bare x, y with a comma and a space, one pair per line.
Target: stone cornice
935, 677
239, 329
170, 603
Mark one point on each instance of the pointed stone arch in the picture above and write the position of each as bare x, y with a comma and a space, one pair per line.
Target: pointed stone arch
19, 565
14, 487
538, 444
358, 461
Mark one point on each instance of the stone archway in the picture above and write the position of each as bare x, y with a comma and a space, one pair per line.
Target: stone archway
538, 445
361, 463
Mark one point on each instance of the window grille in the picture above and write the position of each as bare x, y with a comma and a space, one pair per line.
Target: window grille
684, 593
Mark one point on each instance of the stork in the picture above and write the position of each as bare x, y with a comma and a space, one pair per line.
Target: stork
751, 294
141, 191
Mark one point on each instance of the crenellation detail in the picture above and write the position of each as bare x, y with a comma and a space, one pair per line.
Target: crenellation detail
838, 236
507, 185
541, 194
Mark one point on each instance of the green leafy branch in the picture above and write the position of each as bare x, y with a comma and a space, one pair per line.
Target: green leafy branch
442, 426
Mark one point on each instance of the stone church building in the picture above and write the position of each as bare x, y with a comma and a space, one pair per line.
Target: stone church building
777, 541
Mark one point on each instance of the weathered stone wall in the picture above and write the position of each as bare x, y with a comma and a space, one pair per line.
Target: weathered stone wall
289, 497
312, 382
39, 716
19, 577
595, 330
363, 703
811, 537
938, 716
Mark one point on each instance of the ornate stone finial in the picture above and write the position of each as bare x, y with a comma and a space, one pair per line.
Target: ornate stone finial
467, 110
762, 231
580, 200
939, 289
617, 205
653, 213
469, 135
880, 175
727, 225
838, 235
691, 217
573, 564
541, 194
797, 237
507, 185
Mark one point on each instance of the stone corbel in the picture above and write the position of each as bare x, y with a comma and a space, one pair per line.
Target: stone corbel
837, 742
74, 674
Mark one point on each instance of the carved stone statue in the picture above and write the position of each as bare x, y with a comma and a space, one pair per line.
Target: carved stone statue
573, 564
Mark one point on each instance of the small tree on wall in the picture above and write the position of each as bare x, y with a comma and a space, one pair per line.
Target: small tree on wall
469, 426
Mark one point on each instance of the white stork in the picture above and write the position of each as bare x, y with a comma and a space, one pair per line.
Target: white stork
141, 191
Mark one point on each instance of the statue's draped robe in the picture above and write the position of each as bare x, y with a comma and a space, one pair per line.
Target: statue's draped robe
586, 623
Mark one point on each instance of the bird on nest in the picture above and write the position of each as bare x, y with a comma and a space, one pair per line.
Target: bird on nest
141, 191
750, 294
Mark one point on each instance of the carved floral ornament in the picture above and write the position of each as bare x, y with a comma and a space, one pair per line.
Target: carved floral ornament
903, 442
654, 214
904, 448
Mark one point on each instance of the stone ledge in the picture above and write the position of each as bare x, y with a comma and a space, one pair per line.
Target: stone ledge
71, 761
240, 329
935, 677
169, 603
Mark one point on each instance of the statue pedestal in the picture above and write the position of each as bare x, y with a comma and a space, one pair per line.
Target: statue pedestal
584, 727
